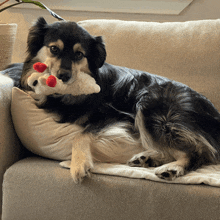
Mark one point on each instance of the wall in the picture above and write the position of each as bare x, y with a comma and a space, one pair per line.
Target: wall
198, 10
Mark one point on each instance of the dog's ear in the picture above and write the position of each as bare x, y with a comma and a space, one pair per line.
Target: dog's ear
35, 39
98, 54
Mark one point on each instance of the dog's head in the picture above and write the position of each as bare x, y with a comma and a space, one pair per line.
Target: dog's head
68, 47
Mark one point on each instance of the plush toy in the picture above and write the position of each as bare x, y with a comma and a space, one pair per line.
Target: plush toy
45, 84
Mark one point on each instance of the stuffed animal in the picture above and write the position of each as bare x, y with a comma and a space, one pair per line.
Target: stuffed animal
45, 84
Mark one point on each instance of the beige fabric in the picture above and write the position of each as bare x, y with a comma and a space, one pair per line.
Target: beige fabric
184, 51
7, 39
39, 189
38, 131
9, 143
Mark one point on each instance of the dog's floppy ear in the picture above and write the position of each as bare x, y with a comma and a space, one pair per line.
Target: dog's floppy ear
35, 39
97, 54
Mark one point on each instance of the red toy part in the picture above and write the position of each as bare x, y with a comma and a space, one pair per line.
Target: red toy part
40, 67
51, 81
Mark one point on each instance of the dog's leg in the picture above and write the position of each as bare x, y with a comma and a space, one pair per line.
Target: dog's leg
81, 161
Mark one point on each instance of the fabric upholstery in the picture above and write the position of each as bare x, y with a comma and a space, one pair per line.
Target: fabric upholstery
36, 188
9, 143
38, 130
187, 52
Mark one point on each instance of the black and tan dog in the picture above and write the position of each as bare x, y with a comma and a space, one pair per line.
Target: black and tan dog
178, 128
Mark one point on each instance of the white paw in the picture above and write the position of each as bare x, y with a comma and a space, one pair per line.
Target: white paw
80, 170
169, 171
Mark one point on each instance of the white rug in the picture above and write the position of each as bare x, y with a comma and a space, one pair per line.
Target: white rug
209, 175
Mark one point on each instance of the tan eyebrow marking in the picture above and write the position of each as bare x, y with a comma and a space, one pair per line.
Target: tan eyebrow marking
78, 47
59, 43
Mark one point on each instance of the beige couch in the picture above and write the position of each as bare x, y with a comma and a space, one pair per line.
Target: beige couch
38, 188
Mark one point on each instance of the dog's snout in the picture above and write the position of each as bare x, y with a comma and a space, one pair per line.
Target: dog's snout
64, 75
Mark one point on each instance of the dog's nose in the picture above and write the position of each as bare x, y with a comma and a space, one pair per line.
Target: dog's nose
64, 75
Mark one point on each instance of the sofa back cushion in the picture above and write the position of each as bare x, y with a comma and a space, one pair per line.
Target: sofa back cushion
188, 52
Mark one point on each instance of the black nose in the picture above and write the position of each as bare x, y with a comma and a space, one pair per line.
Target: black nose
64, 75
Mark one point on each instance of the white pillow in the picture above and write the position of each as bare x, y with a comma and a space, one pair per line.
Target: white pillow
37, 129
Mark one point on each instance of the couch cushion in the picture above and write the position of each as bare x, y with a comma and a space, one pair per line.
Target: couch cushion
36, 188
184, 51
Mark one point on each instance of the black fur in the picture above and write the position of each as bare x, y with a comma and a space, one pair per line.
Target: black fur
168, 107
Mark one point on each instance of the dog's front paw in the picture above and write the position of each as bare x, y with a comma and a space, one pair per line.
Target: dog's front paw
80, 170
170, 171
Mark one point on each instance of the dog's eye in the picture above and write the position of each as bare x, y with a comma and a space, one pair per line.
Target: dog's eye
78, 55
54, 50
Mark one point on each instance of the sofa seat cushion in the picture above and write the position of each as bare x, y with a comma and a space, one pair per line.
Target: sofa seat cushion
37, 188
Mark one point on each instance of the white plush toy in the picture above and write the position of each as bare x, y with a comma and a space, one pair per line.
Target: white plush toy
45, 84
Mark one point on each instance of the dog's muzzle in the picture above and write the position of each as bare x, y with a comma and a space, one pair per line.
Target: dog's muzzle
64, 75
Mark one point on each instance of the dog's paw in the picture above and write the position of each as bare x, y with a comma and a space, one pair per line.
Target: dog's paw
80, 171
146, 159
169, 171
138, 160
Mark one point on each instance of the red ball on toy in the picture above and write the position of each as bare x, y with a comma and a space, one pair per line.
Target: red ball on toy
40, 67
51, 81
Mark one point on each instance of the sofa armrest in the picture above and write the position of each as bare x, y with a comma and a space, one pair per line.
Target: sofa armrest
10, 147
